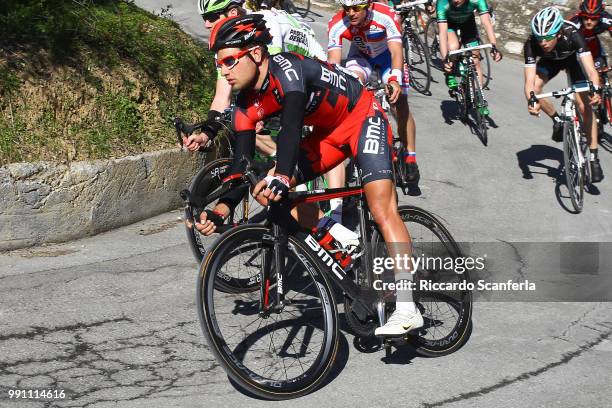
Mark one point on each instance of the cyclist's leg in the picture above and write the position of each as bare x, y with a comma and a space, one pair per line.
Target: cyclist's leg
358, 64
372, 149
318, 155
545, 71
336, 178
589, 121
406, 126
471, 38
453, 45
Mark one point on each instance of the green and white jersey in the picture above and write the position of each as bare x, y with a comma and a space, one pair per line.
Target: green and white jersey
291, 34
446, 13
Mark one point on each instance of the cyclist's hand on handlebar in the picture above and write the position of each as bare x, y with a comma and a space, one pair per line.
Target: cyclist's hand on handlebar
447, 65
534, 108
595, 99
195, 140
394, 90
496, 54
210, 220
273, 187
430, 8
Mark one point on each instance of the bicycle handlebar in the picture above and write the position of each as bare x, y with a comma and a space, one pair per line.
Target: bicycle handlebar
462, 51
566, 91
410, 5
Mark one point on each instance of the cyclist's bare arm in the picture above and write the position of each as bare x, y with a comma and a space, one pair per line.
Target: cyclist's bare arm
397, 63
443, 29
530, 77
223, 95
334, 56
485, 20
588, 65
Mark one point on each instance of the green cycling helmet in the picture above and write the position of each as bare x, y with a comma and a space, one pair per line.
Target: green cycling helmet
216, 6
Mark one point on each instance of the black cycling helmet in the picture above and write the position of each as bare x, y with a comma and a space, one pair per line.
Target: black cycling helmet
239, 32
592, 8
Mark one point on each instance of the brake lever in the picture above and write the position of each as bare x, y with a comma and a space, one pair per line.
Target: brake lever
533, 100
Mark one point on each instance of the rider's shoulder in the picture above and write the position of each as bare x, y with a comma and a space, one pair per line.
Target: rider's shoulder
569, 26
338, 19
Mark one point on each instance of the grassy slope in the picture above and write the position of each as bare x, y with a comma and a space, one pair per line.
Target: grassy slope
94, 79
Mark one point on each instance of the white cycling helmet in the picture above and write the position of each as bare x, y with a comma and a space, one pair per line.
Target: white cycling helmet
350, 3
546, 22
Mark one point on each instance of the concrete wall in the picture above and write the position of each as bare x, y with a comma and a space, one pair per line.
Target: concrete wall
46, 202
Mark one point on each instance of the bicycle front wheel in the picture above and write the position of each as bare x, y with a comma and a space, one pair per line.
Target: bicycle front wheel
432, 43
574, 171
416, 56
279, 354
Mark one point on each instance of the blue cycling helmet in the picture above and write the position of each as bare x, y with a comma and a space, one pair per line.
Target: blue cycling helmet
547, 22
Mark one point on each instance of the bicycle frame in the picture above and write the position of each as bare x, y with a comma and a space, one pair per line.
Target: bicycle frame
569, 113
366, 300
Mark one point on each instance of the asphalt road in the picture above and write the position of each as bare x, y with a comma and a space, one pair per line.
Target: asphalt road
111, 319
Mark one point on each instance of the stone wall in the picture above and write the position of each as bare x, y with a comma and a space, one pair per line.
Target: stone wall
47, 202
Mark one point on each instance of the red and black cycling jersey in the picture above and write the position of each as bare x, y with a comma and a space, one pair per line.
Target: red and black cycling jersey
603, 25
304, 92
570, 43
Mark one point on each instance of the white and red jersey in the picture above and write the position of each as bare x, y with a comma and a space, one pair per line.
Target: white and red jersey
380, 27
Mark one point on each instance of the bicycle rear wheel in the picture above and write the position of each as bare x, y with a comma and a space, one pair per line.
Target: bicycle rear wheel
416, 56
288, 6
574, 172
278, 355
447, 314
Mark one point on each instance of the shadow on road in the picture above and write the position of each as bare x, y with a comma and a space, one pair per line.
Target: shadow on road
450, 111
535, 155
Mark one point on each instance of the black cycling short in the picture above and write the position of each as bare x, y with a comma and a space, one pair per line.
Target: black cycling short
467, 32
550, 68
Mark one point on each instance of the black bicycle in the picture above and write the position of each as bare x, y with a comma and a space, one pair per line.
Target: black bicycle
278, 337
469, 95
416, 54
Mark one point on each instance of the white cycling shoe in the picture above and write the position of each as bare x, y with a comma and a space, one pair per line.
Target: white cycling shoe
400, 322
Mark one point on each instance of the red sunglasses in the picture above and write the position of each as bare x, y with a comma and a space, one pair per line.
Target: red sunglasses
231, 60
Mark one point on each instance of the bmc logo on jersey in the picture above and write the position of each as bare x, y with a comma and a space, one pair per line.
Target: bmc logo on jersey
333, 78
286, 66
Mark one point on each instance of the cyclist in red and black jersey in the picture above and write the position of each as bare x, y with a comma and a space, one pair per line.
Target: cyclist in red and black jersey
346, 120
592, 20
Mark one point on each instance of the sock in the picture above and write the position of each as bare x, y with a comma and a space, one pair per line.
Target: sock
410, 157
336, 209
325, 222
345, 236
403, 302
556, 118
593, 154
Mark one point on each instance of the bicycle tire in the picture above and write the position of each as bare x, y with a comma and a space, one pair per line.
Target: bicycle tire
208, 179
481, 120
432, 43
306, 8
424, 229
237, 361
486, 70
289, 7
417, 58
574, 173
